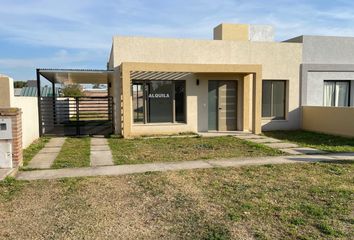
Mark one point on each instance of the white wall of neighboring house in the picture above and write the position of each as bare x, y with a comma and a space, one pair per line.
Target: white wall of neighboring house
315, 80
30, 125
28, 106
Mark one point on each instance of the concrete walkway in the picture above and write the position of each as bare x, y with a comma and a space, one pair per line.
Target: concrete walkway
46, 156
101, 154
286, 147
160, 167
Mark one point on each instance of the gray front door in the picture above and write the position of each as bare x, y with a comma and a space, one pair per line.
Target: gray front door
222, 105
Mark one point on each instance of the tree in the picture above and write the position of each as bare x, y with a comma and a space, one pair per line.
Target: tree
72, 90
20, 84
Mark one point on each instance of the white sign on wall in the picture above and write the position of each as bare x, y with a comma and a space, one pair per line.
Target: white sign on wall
159, 95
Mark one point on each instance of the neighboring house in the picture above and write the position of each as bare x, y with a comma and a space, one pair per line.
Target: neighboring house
242, 80
327, 71
17, 91
32, 91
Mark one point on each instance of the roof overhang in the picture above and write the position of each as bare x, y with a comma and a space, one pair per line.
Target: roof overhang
168, 71
78, 76
153, 75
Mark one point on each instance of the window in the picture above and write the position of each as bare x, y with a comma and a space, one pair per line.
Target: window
273, 99
158, 101
179, 101
138, 102
336, 93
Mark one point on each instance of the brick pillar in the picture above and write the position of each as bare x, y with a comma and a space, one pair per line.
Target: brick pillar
15, 115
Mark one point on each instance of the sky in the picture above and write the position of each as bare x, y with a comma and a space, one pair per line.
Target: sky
78, 34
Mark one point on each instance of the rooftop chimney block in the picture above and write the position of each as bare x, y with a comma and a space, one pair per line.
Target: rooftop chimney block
244, 32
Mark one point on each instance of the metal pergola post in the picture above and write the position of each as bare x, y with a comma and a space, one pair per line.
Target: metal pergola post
54, 103
39, 102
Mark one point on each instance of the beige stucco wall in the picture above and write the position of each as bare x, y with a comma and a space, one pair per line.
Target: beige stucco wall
331, 120
6, 91
30, 125
225, 31
280, 61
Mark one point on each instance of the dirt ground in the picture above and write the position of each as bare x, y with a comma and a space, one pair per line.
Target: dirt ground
297, 201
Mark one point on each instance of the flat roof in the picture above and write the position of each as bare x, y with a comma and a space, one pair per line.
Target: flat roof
79, 76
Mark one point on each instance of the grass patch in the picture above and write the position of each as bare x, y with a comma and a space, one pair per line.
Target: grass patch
71, 185
9, 187
74, 153
290, 201
320, 141
133, 151
293, 201
328, 230
33, 149
217, 232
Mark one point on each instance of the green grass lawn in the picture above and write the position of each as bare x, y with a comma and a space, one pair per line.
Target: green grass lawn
142, 150
33, 149
74, 153
290, 201
320, 141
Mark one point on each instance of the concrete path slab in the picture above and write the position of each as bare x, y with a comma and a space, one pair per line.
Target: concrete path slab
264, 140
55, 142
302, 150
175, 166
98, 141
249, 136
345, 156
100, 148
50, 149
46, 157
220, 133
281, 145
290, 151
101, 154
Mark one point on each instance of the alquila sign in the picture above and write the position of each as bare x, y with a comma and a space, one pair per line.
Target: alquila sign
159, 95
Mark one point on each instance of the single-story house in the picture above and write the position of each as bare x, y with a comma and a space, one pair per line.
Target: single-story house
242, 80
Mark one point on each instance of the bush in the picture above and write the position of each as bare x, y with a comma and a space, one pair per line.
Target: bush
72, 90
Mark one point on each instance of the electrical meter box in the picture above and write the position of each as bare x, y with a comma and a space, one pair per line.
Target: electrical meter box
5, 143
5, 129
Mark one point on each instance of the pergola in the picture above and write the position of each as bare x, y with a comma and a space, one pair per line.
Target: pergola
70, 76
73, 76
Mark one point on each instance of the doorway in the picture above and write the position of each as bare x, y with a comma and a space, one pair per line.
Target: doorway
222, 102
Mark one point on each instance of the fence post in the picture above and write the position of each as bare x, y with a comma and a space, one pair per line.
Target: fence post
77, 116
